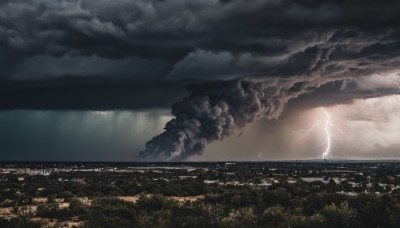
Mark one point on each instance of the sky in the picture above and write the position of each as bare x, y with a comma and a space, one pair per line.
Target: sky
171, 80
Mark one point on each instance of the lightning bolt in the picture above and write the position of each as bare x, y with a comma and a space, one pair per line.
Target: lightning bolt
259, 156
306, 132
327, 131
327, 135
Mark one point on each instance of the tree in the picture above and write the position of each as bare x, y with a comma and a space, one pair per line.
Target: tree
342, 216
47, 210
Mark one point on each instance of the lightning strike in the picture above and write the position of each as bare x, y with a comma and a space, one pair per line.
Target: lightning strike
327, 131
328, 135
306, 132
259, 156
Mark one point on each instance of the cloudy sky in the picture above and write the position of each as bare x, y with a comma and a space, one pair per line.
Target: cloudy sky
128, 80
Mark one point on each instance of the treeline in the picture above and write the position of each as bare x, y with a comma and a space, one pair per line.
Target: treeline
20, 193
15, 192
226, 207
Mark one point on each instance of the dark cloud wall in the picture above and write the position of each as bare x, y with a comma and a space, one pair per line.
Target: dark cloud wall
153, 41
174, 40
88, 94
126, 54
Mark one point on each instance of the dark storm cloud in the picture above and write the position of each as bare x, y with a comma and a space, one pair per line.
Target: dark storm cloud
205, 40
257, 38
333, 93
119, 49
83, 94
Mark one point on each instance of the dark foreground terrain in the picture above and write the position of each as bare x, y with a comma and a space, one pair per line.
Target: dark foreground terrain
217, 194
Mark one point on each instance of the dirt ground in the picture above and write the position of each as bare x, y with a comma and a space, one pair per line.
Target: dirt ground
134, 198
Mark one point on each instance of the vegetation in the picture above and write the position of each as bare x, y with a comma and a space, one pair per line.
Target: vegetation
244, 206
93, 199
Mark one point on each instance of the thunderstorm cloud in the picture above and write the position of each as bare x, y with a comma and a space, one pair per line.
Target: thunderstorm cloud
219, 64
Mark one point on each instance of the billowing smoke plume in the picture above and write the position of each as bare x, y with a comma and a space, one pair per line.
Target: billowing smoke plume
217, 109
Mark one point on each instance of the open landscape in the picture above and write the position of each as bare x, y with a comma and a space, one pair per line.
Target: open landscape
200, 113
200, 194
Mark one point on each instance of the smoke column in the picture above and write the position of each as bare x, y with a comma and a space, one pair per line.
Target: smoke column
215, 110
